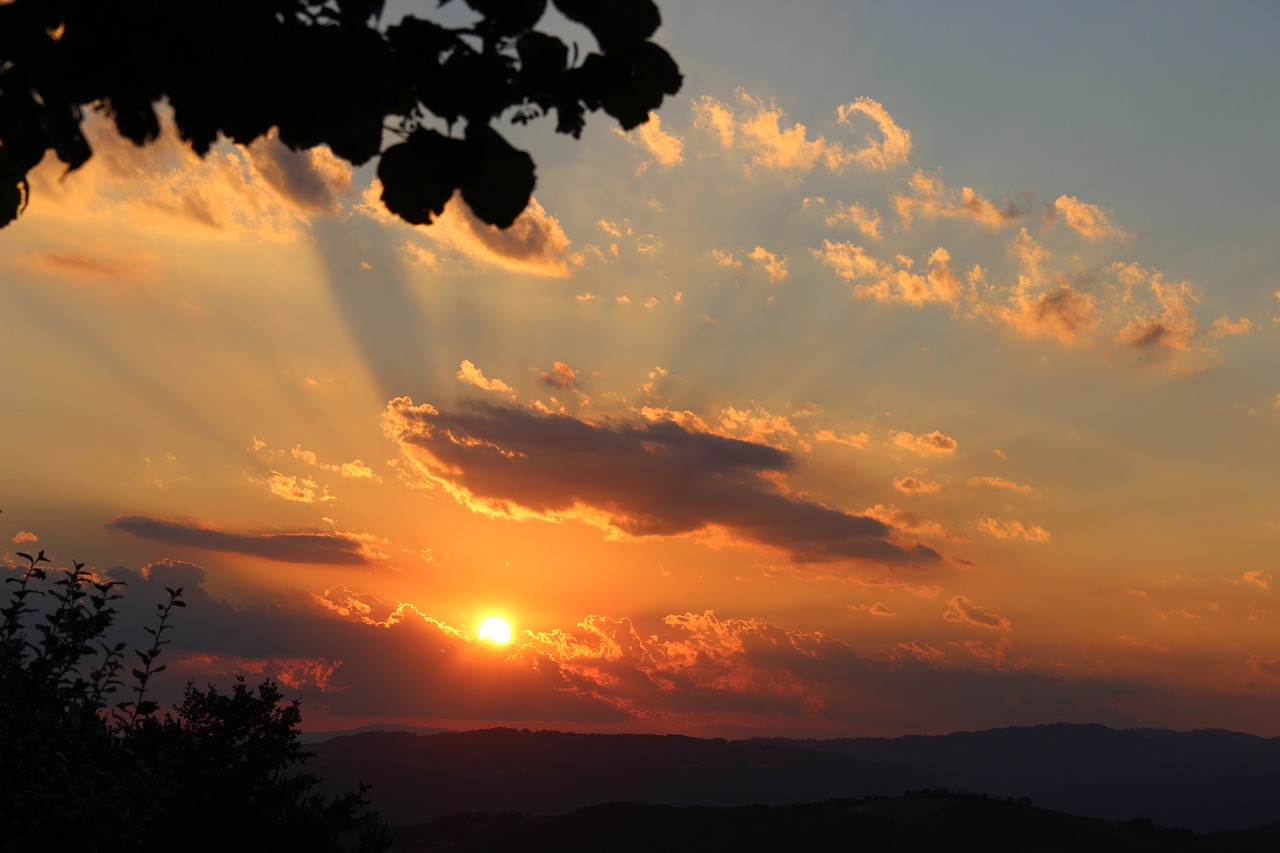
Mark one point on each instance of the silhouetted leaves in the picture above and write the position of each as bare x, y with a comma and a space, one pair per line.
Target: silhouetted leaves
219, 772
323, 72
418, 176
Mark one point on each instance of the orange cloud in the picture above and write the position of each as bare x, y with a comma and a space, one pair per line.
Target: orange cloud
472, 375
560, 376
1086, 219
264, 191
761, 133
1226, 327
931, 444
894, 146
849, 439
915, 486
1002, 528
774, 265
666, 148
929, 198
963, 611
866, 220
1256, 577
1173, 328
999, 483
298, 489
353, 470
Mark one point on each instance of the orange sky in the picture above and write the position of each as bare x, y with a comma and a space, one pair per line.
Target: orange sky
871, 388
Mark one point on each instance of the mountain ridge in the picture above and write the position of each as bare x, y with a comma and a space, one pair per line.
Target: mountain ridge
1204, 780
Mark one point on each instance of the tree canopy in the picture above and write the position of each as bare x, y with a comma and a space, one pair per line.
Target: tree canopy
325, 72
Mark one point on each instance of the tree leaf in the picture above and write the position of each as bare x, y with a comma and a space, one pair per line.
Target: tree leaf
420, 174
499, 190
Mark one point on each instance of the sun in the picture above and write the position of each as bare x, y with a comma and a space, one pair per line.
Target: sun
496, 630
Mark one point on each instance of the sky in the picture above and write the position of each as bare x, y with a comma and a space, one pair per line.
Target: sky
911, 371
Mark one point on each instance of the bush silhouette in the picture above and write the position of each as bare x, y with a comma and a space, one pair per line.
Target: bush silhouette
324, 72
220, 771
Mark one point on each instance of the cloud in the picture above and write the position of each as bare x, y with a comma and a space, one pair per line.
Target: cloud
1086, 219
83, 265
894, 146
761, 133
299, 489
756, 425
1256, 577
849, 439
774, 265
472, 375
263, 192
332, 549
915, 486
931, 444
1037, 309
1226, 327
353, 470
1173, 328
866, 220
928, 197
877, 609
1003, 528
963, 611
559, 376
666, 148
632, 480
313, 180
999, 483
874, 279
24, 536
355, 654
535, 243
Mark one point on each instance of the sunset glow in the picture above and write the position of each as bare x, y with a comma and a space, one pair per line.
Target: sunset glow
914, 371
496, 630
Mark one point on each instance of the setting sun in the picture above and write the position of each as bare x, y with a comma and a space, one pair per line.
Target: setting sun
496, 630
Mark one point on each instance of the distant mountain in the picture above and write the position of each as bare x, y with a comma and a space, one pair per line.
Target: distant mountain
320, 737
417, 778
1203, 780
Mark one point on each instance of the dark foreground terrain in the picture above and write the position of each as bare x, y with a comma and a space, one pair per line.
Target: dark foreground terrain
923, 822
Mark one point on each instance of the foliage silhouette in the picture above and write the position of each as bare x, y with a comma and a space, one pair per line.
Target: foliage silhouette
324, 72
220, 771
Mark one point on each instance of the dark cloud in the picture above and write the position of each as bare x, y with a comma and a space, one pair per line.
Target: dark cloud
332, 549
300, 176
640, 479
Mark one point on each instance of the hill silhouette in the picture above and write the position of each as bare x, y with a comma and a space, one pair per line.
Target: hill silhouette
922, 823
1203, 780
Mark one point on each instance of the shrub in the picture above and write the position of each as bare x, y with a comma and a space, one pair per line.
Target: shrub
220, 771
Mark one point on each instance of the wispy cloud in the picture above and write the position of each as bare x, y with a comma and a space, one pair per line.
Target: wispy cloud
963, 611
318, 548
